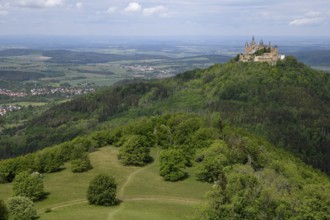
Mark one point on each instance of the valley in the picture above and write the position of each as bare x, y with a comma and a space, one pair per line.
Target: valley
182, 131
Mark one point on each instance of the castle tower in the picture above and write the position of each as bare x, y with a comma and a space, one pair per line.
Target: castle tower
247, 48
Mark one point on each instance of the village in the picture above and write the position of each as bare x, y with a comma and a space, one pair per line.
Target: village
10, 93
8, 108
149, 69
44, 91
48, 91
61, 90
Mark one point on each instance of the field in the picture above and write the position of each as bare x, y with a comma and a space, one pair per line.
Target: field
142, 192
97, 67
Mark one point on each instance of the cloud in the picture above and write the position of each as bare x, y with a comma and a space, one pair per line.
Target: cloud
40, 3
79, 5
133, 7
111, 10
310, 18
312, 14
306, 21
160, 9
3, 10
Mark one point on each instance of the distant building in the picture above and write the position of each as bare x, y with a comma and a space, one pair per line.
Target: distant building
260, 53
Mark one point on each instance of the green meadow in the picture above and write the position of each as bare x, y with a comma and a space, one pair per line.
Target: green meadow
143, 194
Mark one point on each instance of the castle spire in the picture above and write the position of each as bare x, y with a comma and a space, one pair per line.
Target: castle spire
253, 41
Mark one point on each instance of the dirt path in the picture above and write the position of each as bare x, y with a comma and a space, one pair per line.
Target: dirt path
163, 199
169, 199
129, 179
132, 175
123, 198
70, 203
120, 193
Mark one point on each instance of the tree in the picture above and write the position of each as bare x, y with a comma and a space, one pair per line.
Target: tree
164, 136
29, 185
77, 152
135, 151
172, 162
102, 190
211, 162
183, 130
3, 211
48, 161
210, 169
22, 208
81, 165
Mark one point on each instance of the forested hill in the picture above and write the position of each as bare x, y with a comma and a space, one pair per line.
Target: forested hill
287, 103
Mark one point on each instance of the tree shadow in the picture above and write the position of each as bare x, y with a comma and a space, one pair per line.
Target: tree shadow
186, 176
44, 196
118, 202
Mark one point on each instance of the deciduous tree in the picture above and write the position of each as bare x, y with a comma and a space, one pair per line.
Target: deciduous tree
29, 185
172, 163
22, 208
102, 190
135, 151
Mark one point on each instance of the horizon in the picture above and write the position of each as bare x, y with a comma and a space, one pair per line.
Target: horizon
189, 39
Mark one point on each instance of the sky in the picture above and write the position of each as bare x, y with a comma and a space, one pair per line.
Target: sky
165, 18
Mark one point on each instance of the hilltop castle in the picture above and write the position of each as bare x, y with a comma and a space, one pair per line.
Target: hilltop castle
260, 53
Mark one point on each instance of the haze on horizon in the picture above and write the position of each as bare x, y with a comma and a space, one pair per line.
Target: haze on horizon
165, 18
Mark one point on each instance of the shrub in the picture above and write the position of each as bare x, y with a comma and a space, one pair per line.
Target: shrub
22, 208
102, 190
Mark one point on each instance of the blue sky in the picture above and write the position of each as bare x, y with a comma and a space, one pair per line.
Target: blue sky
165, 18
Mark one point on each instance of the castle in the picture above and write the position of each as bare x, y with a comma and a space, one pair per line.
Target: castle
260, 53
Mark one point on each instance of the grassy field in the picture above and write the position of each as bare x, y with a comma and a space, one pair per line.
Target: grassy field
143, 193
29, 103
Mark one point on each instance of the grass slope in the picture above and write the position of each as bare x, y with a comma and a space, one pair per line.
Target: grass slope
143, 192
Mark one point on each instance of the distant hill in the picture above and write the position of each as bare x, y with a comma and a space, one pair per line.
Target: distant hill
73, 57
314, 57
18, 52
287, 103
